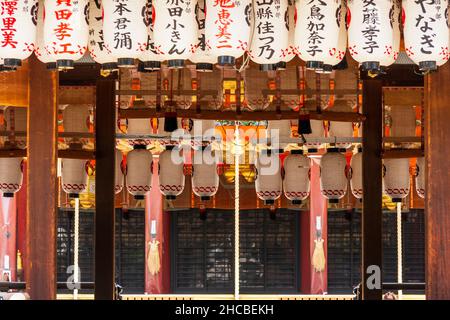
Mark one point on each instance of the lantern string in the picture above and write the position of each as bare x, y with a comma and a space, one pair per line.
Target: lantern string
76, 275
236, 213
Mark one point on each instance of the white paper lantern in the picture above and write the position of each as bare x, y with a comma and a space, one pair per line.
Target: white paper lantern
205, 180
11, 176
118, 173
333, 179
18, 20
124, 30
420, 177
396, 178
19, 121
268, 182
66, 31
175, 30
202, 57
96, 45
426, 32
203, 130
270, 33
288, 53
336, 55
370, 32
39, 49
139, 172
340, 129
139, 127
73, 176
171, 175
318, 132
228, 28
317, 31
150, 58
278, 131
296, 183
395, 21
356, 183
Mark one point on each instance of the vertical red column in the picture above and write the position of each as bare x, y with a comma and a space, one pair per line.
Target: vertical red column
8, 233
158, 282
318, 217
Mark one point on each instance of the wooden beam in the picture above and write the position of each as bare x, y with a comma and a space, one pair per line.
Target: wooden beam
42, 182
372, 186
105, 142
143, 113
437, 203
402, 153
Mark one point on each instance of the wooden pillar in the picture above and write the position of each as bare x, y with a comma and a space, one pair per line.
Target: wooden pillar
437, 202
41, 187
372, 185
105, 142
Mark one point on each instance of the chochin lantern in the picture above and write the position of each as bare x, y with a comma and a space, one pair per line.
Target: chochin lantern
296, 184
268, 182
139, 172
171, 176
337, 54
175, 30
318, 132
205, 179
16, 120
420, 177
18, 21
228, 29
139, 127
278, 131
271, 32
124, 30
202, 56
73, 176
150, 58
396, 178
333, 178
66, 31
39, 49
76, 120
356, 176
426, 32
317, 31
289, 52
118, 175
96, 44
370, 32
10, 176
340, 129
395, 21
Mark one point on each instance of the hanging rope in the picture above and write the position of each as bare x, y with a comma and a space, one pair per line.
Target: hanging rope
76, 276
399, 247
236, 212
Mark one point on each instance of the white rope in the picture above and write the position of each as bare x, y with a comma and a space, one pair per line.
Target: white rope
399, 247
76, 275
236, 212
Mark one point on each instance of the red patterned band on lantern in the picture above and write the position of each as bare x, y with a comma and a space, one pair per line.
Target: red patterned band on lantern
330, 193
265, 194
138, 188
172, 188
205, 189
299, 194
395, 191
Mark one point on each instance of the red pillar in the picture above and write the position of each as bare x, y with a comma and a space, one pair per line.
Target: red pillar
313, 282
160, 282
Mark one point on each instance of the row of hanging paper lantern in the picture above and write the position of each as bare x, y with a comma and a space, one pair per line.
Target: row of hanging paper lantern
272, 179
272, 32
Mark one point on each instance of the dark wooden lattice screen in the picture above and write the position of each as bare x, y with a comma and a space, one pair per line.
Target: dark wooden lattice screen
344, 248
203, 255
130, 248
